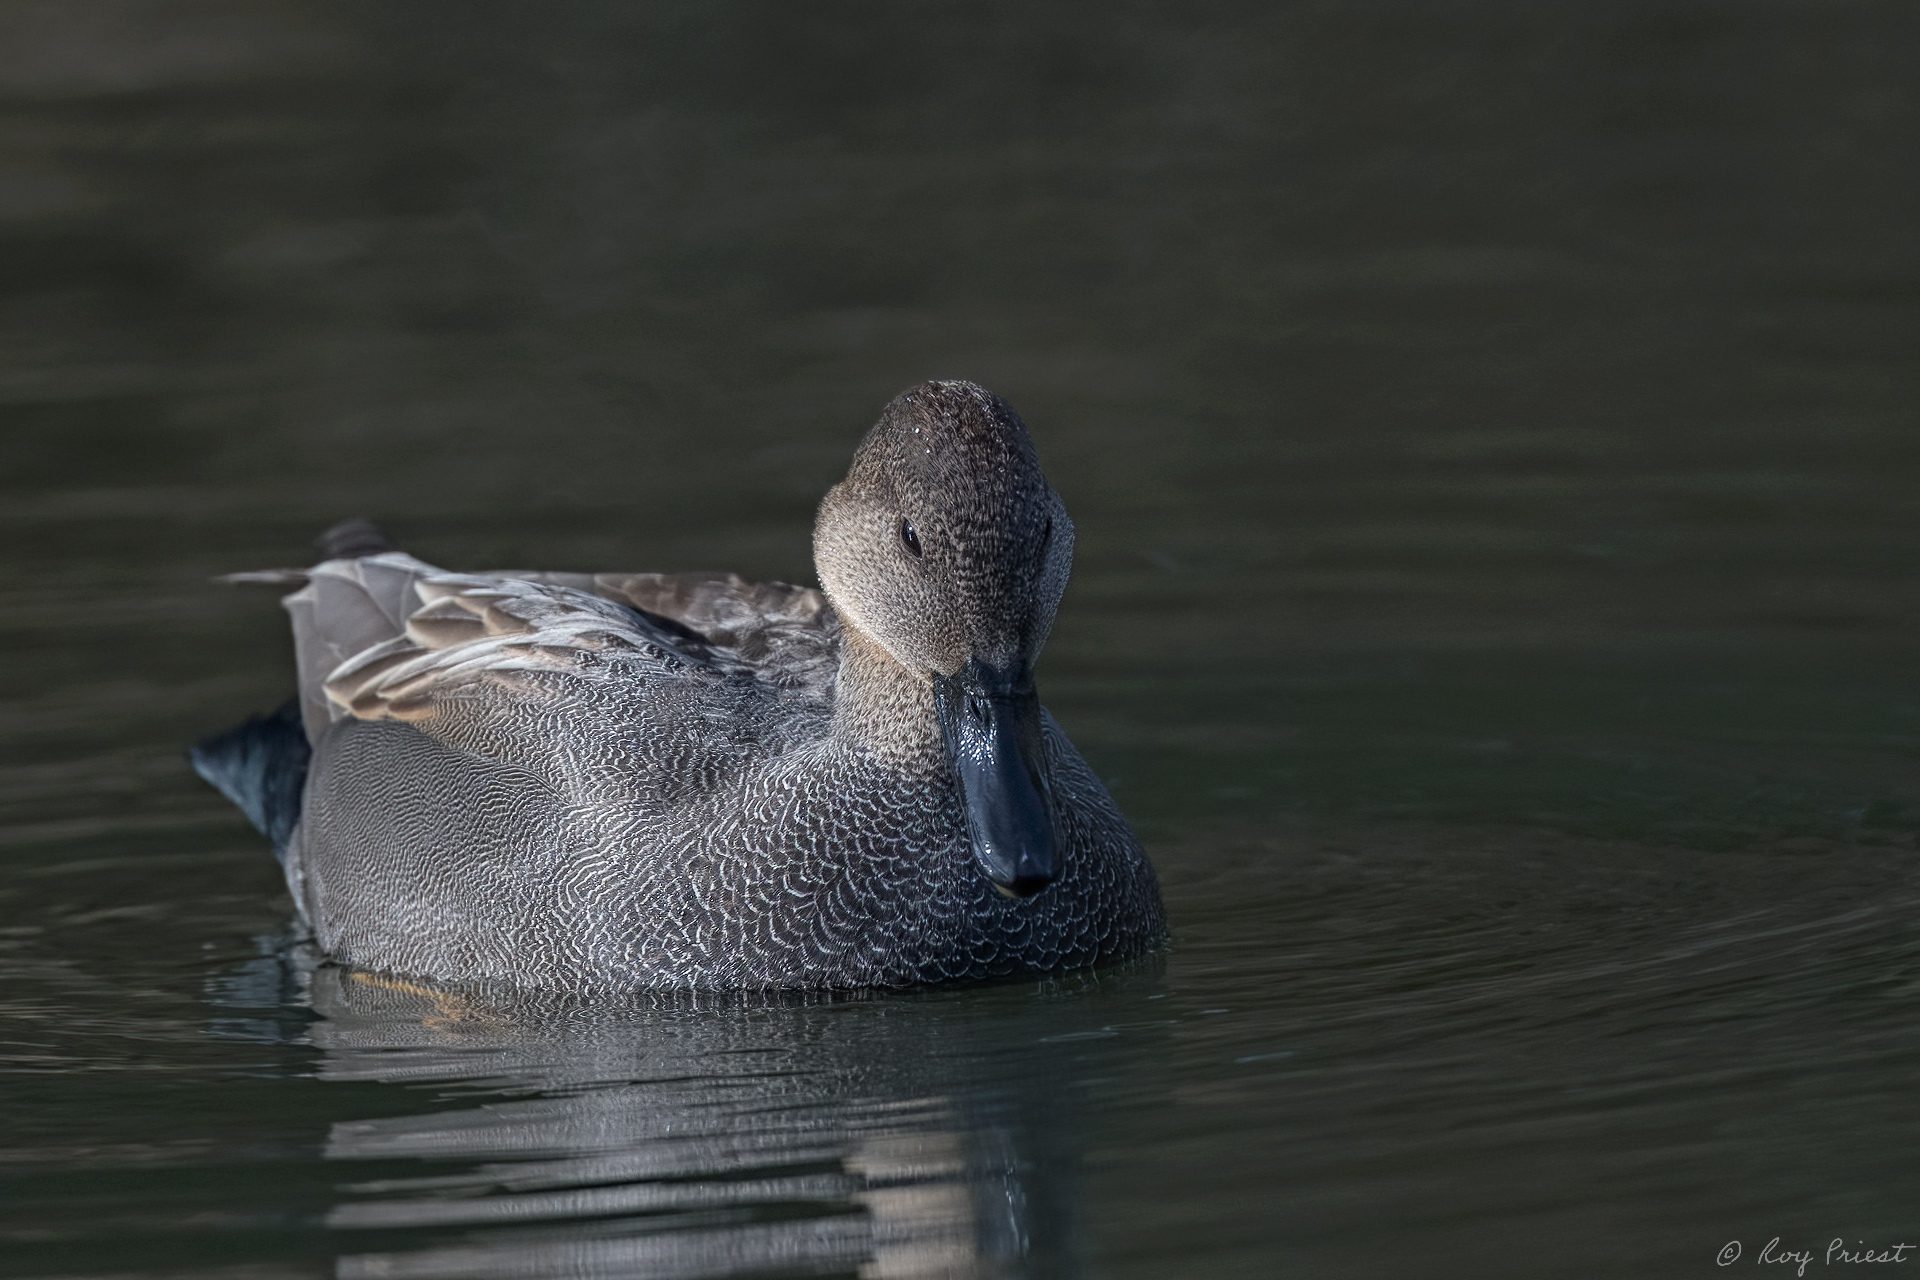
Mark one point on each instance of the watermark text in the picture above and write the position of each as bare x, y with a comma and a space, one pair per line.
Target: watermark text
1837, 1253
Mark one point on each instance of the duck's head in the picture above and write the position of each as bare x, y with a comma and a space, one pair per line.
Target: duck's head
946, 548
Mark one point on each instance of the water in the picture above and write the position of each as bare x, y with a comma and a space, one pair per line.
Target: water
1491, 434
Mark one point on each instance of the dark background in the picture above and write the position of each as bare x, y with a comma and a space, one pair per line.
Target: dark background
1491, 430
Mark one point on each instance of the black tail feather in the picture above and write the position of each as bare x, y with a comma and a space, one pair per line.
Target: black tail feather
351, 539
261, 766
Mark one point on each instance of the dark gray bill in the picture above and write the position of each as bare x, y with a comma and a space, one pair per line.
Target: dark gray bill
991, 722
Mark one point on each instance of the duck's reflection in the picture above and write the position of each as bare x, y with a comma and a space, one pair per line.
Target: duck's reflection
905, 1136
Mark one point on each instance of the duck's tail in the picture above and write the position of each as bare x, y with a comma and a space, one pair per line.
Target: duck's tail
352, 539
260, 765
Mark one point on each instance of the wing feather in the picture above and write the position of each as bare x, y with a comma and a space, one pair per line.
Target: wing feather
389, 636
782, 633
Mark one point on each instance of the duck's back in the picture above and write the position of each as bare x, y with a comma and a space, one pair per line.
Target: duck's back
494, 755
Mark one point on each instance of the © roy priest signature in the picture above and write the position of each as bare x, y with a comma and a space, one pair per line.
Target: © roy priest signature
1838, 1252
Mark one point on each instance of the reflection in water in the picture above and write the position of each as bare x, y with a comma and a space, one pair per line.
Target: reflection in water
679, 1137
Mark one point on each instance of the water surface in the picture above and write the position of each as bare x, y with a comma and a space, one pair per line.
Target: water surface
1491, 434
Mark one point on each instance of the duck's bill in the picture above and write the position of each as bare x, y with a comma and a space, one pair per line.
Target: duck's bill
991, 722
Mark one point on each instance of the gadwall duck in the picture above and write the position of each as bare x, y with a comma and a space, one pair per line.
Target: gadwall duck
603, 782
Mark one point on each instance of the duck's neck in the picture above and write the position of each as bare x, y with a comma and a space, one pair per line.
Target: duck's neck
882, 706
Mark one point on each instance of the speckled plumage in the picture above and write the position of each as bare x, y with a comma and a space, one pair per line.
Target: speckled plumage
623, 781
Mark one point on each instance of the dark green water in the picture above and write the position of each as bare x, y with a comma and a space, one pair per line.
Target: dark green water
1492, 433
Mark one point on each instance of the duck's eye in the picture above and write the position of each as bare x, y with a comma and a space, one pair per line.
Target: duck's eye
910, 538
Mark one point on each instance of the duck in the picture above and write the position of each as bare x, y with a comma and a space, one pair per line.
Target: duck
628, 782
